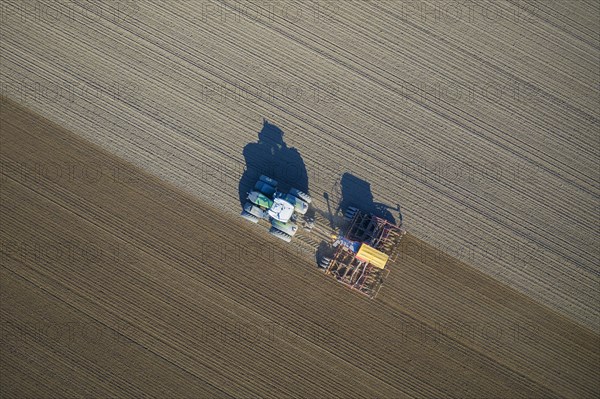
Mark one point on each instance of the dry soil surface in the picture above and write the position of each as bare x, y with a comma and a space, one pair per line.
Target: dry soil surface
127, 127
117, 284
479, 118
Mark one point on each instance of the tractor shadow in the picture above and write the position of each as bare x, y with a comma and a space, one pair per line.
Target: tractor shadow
271, 156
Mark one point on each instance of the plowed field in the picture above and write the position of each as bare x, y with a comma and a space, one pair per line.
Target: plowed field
131, 131
116, 284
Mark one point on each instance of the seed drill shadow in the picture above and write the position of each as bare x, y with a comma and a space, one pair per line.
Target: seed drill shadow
351, 190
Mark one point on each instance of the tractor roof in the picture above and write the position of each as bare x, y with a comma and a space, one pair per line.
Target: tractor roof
281, 210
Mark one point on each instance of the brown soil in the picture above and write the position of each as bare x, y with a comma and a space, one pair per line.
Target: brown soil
116, 284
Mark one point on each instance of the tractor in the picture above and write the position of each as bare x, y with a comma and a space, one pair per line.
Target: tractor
266, 202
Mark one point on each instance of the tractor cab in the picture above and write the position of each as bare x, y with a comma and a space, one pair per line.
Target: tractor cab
281, 210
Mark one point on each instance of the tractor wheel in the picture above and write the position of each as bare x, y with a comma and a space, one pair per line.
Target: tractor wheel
301, 194
248, 216
280, 234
